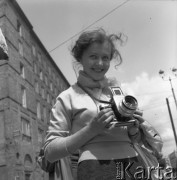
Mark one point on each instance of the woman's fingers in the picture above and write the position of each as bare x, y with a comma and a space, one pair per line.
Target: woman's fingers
106, 117
103, 119
108, 120
104, 111
139, 118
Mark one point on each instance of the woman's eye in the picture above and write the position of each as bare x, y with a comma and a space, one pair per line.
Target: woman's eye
93, 57
105, 58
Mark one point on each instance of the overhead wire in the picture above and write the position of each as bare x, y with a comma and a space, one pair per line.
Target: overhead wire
70, 38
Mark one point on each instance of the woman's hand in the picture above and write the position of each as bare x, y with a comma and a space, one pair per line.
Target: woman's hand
101, 121
139, 118
134, 130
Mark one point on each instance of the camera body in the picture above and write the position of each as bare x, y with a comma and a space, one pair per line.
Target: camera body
123, 107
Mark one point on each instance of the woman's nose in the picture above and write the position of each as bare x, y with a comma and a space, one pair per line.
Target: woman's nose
100, 61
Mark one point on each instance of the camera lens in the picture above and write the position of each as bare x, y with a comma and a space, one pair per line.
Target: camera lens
130, 102
128, 106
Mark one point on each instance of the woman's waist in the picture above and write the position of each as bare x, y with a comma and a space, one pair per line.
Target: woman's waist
107, 150
112, 136
106, 145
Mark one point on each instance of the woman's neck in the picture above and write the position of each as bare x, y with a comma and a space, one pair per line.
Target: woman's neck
89, 82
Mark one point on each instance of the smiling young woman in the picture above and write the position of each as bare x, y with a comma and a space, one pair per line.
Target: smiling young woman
78, 123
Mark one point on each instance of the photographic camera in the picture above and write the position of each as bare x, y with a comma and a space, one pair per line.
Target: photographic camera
123, 107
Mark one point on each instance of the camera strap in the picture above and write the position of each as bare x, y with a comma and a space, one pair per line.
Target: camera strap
93, 97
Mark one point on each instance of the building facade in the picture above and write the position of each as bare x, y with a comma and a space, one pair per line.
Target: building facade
29, 83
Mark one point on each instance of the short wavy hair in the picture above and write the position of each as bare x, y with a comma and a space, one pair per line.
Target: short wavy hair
89, 37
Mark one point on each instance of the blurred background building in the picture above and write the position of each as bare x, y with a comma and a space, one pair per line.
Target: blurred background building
29, 83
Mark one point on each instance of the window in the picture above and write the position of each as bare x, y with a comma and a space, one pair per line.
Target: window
46, 80
20, 48
19, 28
40, 136
48, 98
39, 57
33, 50
61, 86
58, 92
55, 91
53, 101
23, 96
38, 110
41, 75
50, 115
37, 87
27, 176
17, 177
22, 70
25, 127
44, 63
35, 68
42, 92
44, 113
51, 86
58, 82
53, 76
49, 70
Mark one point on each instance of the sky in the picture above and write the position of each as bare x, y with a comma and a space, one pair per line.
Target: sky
150, 29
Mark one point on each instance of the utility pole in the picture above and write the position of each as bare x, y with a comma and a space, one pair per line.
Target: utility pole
171, 118
163, 75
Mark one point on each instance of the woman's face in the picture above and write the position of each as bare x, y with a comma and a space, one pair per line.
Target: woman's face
96, 60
